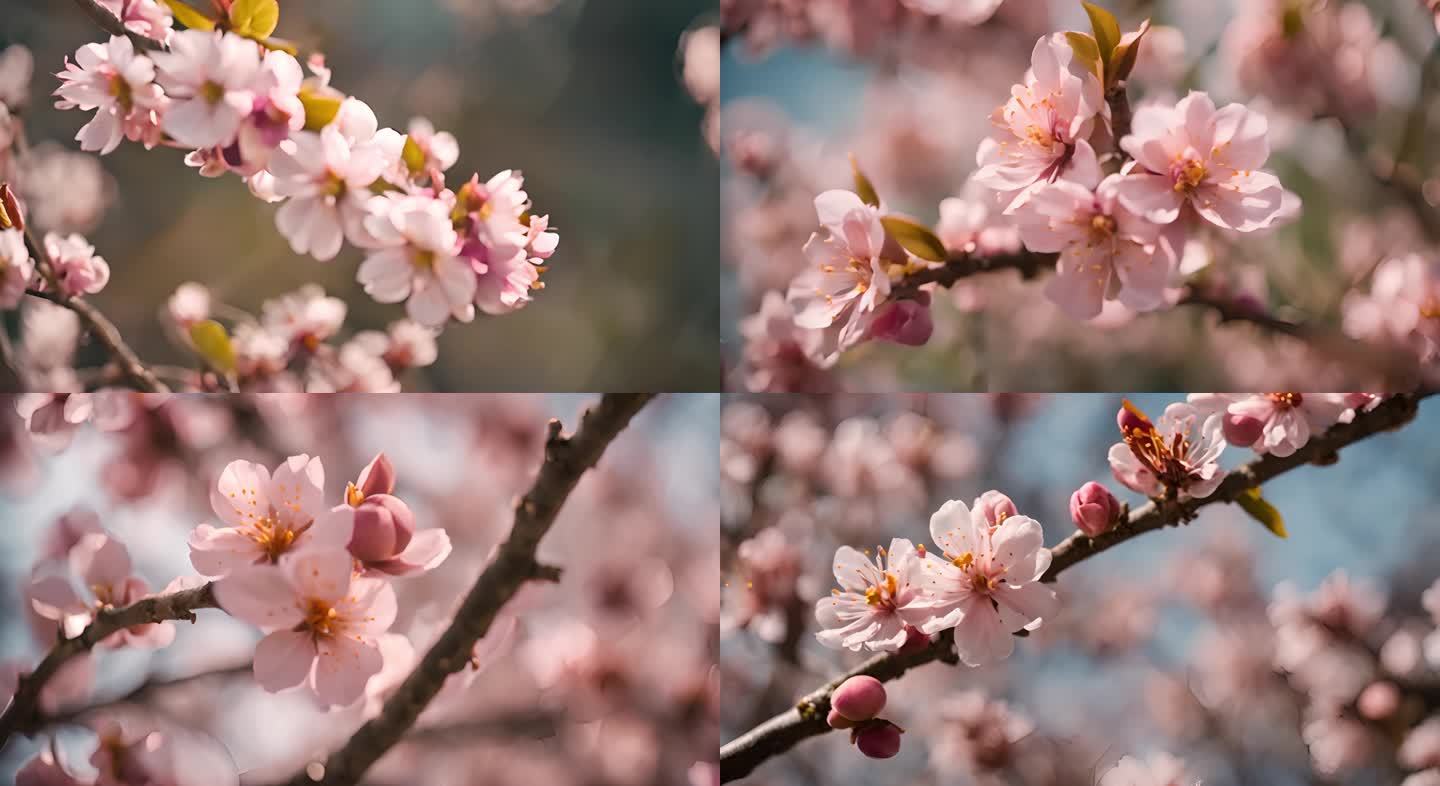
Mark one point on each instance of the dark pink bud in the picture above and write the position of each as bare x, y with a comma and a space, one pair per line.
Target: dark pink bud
838, 721
996, 506
914, 639
1242, 430
383, 527
1130, 418
1093, 508
859, 698
903, 322
878, 739
1379, 700
378, 477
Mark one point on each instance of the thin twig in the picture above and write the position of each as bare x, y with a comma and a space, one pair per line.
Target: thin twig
112, 25
741, 756
24, 715
136, 372
515, 563
964, 265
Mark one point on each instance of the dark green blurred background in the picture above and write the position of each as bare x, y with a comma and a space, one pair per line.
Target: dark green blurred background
583, 98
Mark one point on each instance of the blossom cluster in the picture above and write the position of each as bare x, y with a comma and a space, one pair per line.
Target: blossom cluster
244, 109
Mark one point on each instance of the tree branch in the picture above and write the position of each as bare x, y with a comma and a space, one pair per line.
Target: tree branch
24, 715
112, 25
136, 372
741, 756
964, 265
566, 460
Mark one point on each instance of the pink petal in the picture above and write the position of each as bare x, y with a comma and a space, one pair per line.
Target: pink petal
283, 660
331, 530
1150, 196
1019, 544
428, 548
373, 608
53, 597
100, 559
1241, 138
980, 638
297, 490
217, 552
952, 530
343, 667
241, 495
1023, 607
320, 575
261, 596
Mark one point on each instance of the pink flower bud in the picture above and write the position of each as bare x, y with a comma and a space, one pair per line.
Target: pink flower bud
1130, 418
378, 477
903, 322
1093, 508
838, 721
1242, 430
859, 698
996, 506
878, 739
1379, 700
383, 527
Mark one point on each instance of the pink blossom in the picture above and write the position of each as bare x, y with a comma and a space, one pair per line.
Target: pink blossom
384, 539
876, 600
189, 305
120, 85
102, 564
1180, 452
79, 269
322, 623
987, 586
859, 698
1043, 126
439, 148
907, 322
1093, 509
418, 260
1160, 769
17, 66
54, 417
1286, 420
1107, 252
356, 369
977, 735
305, 318
1402, 306
847, 279
16, 267
404, 345
971, 224
781, 356
268, 517
326, 178
1191, 154
211, 76
276, 112
146, 17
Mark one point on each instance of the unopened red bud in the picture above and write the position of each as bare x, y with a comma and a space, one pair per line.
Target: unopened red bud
878, 739
859, 698
1242, 430
838, 721
1093, 509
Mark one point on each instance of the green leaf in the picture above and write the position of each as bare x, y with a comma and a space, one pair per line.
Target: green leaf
1253, 503
213, 344
255, 18
189, 16
412, 154
1126, 53
320, 109
863, 186
915, 238
1086, 51
1107, 31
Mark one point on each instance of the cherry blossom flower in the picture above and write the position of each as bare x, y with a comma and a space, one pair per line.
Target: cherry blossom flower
54, 417
78, 268
327, 178
211, 76
988, 585
876, 602
1043, 126
1181, 452
304, 318
322, 623
103, 566
977, 735
1193, 155
438, 149
1286, 420
1106, 250
1160, 769
779, 354
971, 224
417, 261
146, 17
1402, 306
404, 345
276, 112
16, 267
268, 517
120, 85
189, 304
847, 278
17, 66
384, 539
356, 369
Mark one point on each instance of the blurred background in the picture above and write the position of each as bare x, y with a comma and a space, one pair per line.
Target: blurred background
606, 680
583, 96
909, 86
1248, 656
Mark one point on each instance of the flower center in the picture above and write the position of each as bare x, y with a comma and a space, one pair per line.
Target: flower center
333, 185
1287, 400
882, 595
1430, 308
1102, 228
122, 92
103, 597
1188, 174
212, 92
353, 495
272, 538
1167, 460
321, 618
422, 259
